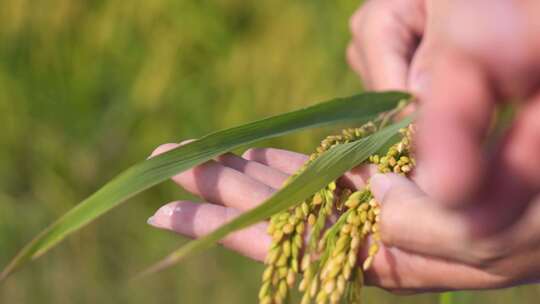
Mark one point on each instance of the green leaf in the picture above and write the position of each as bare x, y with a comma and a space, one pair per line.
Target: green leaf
141, 176
325, 169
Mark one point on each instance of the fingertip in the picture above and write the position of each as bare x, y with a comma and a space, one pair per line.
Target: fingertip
393, 187
249, 154
380, 184
195, 220
358, 177
396, 193
169, 146
162, 149
162, 218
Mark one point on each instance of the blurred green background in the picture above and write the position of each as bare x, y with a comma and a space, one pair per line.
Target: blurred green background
88, 88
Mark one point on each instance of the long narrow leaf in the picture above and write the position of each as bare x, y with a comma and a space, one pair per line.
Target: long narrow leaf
328, 167
356, 108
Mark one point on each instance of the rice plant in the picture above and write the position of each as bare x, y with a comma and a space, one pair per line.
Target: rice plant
305, 203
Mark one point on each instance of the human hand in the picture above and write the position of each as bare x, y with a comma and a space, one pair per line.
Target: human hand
461, 59
414, 222
233, 184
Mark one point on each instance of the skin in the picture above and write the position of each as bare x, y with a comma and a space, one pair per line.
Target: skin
461, 58
232, 184
469, 218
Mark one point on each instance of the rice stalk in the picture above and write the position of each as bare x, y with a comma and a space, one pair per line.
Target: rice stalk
331, 253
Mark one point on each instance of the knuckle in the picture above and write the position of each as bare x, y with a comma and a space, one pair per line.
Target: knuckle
381, 22
372, 18
364, 16
357, 19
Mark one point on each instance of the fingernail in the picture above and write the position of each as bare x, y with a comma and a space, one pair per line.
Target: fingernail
162, 149
166, 211
380, 184
162, 217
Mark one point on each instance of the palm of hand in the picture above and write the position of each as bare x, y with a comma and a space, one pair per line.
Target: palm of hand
232, 184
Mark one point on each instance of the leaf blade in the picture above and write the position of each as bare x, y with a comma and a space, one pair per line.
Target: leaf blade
151, 172
325, 169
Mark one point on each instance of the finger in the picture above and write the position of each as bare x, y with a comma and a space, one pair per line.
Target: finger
385, 35
412, 221
195, 220
286, 161
519, 156
269, 176
392, 268
515, 170
421, 64
396, 195
221, 185
168, 146
457, 107
290, 162
163, 148
396, 269
264, 174
358, 177
355, 61
419, 272
525, 246
524, 146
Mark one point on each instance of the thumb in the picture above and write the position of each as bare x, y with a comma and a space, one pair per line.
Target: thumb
412, 221
387, 186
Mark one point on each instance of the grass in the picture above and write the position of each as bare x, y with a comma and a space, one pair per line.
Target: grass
89, 87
